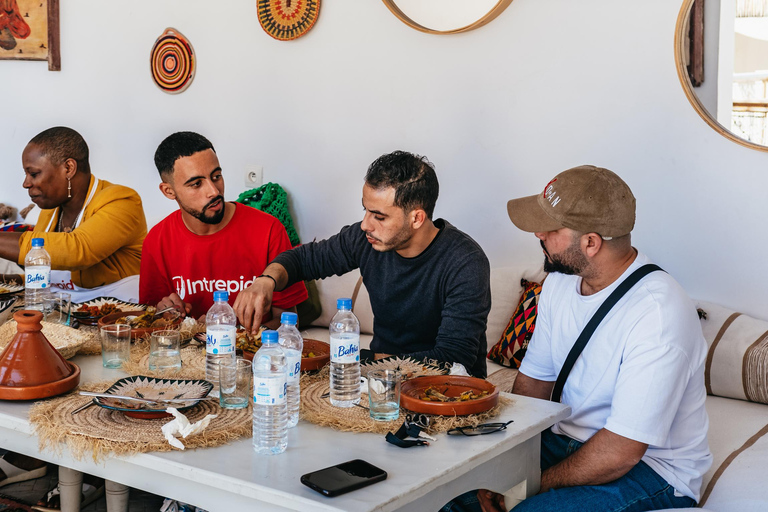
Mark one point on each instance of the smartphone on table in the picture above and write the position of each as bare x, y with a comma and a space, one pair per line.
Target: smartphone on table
343, 477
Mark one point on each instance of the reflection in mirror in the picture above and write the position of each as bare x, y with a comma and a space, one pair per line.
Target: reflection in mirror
722, 56
446, 16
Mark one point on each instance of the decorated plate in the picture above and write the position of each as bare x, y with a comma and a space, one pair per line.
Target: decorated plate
152, 388
138, 332
90, 311
10, 289
436, 388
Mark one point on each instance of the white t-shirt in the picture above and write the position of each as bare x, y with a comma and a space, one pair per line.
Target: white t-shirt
640, 376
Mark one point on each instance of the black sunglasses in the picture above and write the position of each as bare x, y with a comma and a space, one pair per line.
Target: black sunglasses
483, 428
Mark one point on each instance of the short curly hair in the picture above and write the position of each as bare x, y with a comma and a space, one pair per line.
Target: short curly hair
412, 176
60, 143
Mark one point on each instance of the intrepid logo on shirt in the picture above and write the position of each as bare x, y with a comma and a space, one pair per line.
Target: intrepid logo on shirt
186, 286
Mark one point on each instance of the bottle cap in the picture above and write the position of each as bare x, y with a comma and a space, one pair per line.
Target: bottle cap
38, 242
344, 303
220, 295
268, 337
289, 318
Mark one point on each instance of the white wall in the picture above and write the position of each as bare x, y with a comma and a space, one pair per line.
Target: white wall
550, 84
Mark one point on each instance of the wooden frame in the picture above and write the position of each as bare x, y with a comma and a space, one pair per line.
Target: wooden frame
490, 16
40, 39
681, 32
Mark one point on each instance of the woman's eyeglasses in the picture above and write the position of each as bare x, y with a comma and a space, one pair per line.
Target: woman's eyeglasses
483, 428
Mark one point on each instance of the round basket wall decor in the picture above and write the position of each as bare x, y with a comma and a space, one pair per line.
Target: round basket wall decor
287, 19
172, 62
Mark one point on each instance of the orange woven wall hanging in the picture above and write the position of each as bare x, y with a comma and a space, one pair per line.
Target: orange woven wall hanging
172, 62
287, 19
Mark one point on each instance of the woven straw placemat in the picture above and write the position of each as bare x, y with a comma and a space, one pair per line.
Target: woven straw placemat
316, 408
102, 432
192, 362
64, 339
92, 344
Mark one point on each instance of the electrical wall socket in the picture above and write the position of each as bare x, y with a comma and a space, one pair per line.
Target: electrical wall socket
254, 176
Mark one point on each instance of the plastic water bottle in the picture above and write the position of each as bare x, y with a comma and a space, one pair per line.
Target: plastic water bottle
37, 275
270, 404
220, 337
293, 345
345, 356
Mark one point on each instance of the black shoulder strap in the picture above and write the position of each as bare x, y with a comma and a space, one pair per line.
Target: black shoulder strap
589, 329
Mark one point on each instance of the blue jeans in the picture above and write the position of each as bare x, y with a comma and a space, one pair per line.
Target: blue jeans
639, 490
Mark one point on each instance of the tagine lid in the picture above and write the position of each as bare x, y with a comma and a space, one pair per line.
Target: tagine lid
30, 368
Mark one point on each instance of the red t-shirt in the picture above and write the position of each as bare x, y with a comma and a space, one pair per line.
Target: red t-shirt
174, 259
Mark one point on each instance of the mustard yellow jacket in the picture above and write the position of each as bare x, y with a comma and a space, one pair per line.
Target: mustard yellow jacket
105, 247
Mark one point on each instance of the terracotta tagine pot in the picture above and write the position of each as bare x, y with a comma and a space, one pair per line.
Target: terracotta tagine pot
30, 368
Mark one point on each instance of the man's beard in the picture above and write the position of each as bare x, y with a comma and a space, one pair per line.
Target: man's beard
571, 261
398, 240
213, 218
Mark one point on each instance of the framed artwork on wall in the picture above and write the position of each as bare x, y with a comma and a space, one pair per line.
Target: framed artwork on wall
29, 30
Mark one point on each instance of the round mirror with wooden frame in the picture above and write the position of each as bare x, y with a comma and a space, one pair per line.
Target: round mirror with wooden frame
446, 16
721, 54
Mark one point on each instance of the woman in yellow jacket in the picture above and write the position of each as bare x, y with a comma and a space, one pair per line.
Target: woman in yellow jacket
93, 229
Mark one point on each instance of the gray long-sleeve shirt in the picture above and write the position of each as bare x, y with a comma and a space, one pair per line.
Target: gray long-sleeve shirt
432, 306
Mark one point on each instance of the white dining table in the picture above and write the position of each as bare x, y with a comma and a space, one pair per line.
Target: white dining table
232, 477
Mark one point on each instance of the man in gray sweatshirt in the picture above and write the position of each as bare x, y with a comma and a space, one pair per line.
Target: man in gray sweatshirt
429, 283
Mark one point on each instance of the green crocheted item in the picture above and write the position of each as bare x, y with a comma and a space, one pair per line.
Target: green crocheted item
272, 199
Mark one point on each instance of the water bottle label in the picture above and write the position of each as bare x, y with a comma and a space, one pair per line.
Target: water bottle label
293, 360
220, 341
270, 391
345, 349
37, 278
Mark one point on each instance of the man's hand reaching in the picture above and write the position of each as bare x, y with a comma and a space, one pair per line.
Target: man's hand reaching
253, 303
175, 301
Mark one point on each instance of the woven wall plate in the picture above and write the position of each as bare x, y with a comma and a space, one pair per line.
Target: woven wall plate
287, 19
172, 62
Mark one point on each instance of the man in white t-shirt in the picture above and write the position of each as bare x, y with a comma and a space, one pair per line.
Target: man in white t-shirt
637, 436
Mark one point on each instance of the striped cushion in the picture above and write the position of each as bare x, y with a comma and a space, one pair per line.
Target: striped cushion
737, 360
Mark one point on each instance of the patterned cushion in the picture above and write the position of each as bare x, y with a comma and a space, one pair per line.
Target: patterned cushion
510, 349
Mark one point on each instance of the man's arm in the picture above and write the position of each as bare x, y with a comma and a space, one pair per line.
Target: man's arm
604, 458
316, 260
535, 388
9, 246
253, 302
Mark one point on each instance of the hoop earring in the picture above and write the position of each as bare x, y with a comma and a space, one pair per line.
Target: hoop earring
69, 187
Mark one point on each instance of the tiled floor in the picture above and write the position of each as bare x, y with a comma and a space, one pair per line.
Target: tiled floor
33, 490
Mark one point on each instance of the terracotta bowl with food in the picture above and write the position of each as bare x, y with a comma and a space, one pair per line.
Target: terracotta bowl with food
448, 395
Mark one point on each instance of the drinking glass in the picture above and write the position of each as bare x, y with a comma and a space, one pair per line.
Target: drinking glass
384, 394
115, 345
165, 350
57, 307
234, 383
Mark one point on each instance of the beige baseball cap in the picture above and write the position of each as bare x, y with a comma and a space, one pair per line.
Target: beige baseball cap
588, 199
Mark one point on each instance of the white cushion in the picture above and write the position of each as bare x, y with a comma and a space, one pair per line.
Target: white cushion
336, 287
740, 485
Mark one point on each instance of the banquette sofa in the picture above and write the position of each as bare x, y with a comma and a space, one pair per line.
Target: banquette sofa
736, 381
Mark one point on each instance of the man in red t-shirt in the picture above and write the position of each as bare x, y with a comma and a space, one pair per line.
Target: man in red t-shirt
208, 244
